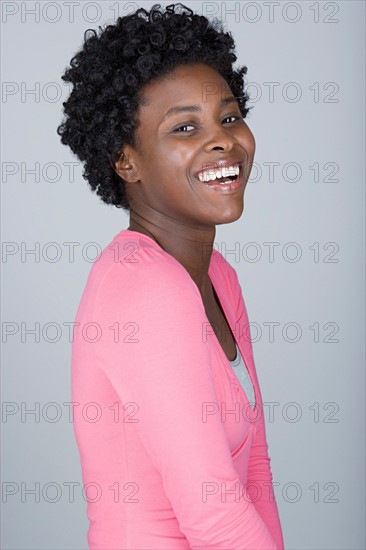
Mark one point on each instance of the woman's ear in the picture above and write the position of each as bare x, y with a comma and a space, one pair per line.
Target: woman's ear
126, 168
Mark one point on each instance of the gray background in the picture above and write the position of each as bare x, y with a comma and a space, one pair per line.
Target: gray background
311, 371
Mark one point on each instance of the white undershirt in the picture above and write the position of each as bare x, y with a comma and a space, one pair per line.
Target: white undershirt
242, 375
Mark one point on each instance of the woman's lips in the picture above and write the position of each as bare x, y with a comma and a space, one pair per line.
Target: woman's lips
233, 186
218, 166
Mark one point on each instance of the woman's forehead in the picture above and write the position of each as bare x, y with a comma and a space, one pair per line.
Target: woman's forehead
187, 82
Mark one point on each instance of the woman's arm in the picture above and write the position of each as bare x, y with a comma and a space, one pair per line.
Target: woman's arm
259, 488
166, 373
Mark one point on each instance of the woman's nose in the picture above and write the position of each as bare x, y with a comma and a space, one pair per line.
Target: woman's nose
219, 138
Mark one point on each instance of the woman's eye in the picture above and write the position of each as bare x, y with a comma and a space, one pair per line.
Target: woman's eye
184, 126
235, 117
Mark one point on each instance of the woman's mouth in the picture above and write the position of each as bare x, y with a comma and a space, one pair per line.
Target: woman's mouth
224, 180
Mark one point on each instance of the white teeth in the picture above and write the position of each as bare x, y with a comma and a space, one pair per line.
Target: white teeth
223, 173
209, 176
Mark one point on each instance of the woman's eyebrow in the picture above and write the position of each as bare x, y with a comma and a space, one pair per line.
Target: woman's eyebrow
195, 108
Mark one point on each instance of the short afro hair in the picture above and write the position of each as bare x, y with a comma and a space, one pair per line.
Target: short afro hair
109, 71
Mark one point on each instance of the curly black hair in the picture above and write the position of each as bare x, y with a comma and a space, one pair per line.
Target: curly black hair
109, 71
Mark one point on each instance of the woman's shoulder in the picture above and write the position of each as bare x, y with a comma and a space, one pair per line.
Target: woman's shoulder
136, 254
132, 262
134, 265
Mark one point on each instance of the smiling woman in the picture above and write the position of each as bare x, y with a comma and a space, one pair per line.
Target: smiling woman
179, 140
177, 453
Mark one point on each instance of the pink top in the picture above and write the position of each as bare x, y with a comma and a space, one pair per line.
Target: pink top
172, 454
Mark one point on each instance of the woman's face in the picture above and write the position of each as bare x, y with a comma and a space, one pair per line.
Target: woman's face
175, 144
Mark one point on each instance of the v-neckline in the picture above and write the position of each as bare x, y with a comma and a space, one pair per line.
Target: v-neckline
226, 360
218, 303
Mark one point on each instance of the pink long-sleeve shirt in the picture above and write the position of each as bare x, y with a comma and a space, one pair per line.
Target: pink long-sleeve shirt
172, 454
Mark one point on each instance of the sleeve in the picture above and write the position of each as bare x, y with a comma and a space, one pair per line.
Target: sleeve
166, 372
260, 482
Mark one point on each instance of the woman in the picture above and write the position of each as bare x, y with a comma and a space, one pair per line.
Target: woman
173, 455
